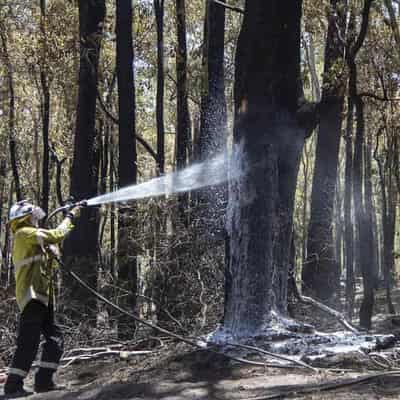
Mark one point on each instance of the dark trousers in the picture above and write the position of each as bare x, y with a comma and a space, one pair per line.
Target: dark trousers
37, 319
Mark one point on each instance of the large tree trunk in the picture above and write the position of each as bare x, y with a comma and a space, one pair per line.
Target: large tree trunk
321, 271
127, 170
81, 247
268, 140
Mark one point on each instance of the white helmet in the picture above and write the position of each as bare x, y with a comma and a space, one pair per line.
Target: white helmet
23, 208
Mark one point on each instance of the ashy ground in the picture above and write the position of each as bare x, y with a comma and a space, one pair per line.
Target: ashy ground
176, 371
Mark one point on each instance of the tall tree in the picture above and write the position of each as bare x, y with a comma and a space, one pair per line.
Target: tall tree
11, 111
213, 128
321, 270
388, 163
127, 170
269, 133
45, 109
159, 12
213, 115
363, 222
81, 247
213, 118
348, 220
183, 132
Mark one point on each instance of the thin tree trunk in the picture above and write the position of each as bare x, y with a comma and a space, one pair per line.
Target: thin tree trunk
3, 176
183, 119
369, 206
363, 224
348, 227
127, 170
159, 12
45, 111
321, 272
213, 121
81, 247
11, 114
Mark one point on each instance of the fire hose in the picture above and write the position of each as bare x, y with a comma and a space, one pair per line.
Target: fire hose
202, 345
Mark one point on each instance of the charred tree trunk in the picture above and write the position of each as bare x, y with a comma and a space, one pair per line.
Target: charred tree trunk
348, 227
183, 119
127, 170
389, 196
363, 224
212, 134
45, 111
369, 206
11, 113
159, 12
213, 121
268, 140
81, 247
3, 200
322, 271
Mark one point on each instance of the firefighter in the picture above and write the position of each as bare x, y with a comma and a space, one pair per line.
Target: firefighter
34, 274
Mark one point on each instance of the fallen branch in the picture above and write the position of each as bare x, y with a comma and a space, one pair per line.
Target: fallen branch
274, 355
328, 310
196, 344
121, 354
115, 120
229, 7
283, 391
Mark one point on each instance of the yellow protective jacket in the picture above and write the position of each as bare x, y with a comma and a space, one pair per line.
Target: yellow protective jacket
33, 264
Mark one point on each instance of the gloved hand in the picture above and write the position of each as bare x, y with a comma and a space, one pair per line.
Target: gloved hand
74, 213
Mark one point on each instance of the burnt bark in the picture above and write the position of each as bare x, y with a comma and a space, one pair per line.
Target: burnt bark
212, 135
362, 221
127, 170
213, 118
159, 12
183, 132
321, 272
81, 247
389, 196
11, 113
348, 225
268, 140
45, 112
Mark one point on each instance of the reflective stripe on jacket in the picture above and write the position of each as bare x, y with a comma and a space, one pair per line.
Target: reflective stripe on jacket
32, 263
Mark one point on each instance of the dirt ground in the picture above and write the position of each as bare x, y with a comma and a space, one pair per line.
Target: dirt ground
182, 374
177, 372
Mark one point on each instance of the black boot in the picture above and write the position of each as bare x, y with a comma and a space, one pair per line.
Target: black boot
14, 387
44, 381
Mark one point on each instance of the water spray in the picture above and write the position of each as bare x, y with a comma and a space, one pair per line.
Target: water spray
199, 175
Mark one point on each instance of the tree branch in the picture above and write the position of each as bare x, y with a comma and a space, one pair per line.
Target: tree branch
233, 8
139, 138
376, 97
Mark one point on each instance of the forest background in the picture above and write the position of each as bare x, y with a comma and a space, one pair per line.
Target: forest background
97, 95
